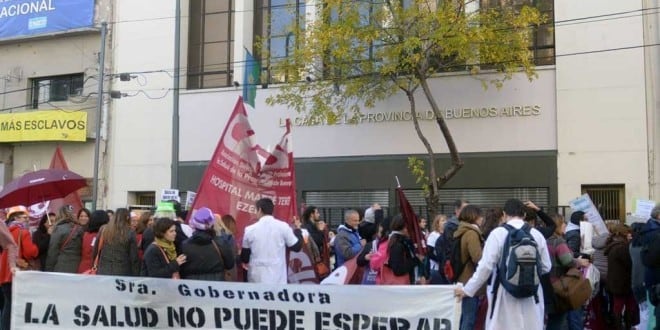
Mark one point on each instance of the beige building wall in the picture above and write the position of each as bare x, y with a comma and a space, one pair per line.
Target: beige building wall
141, 122
21, 61
652, 64
601, 101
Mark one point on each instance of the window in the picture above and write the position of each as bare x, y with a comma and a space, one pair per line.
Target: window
56, 88
542, 43
210, 44
608, 199
273, 22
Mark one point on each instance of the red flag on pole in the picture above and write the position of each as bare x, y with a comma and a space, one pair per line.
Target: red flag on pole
235, 178
412, 223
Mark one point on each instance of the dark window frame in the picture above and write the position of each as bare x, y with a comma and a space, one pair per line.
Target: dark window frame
535, 47
60, 88
200, 67
263, 30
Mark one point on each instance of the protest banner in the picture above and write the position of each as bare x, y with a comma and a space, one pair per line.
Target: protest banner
190, 198
643, 208
236, 178
51, 125
43, 301
170, 195
584, 204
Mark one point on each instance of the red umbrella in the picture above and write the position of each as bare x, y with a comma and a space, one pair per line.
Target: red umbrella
39, 186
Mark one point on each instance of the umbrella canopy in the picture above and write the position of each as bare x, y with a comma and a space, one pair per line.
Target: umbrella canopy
39, 186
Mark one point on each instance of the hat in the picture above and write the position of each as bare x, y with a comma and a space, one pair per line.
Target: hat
202, 219
576, 217
16, 209
165, 210
370, 215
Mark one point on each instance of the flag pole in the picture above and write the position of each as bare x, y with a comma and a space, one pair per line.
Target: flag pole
398, 184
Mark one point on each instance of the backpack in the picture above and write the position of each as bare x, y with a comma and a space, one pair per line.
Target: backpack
650, 252
453, 266
447, 243
520, 265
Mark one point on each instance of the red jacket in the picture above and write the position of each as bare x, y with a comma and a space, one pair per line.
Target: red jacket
86, 252
28, 250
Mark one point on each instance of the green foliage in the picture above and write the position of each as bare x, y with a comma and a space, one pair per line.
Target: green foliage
362, 52
418, 169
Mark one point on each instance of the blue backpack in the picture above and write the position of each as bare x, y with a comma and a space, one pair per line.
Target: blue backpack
519, 268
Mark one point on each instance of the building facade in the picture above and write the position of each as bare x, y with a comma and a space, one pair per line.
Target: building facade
49, 73
588, 123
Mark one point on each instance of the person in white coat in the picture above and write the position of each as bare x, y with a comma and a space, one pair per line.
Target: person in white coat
508, 311
265, 243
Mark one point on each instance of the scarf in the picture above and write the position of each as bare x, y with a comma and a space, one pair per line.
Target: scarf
168, 247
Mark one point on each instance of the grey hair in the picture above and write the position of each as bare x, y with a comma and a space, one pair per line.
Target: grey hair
655, 213
348, 213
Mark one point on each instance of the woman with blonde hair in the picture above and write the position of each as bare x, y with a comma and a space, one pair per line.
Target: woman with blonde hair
436, 256
117, 247
64, 249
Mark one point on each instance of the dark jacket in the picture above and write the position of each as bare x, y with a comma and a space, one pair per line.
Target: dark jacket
203, 261
549, 225
156, 264
619, 267
148, 237
64, 248
317, 236
402, 259
119, 259
42, 240
573, 241
471, 248
651, 229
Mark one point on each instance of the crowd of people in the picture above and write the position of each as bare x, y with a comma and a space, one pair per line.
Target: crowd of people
509, 264
117, 242
474, 249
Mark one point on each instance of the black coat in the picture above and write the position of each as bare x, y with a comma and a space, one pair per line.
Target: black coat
41, 239
203, 262
574, 242
402, 259
155, 264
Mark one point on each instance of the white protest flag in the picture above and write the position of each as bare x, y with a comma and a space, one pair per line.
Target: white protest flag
44, 301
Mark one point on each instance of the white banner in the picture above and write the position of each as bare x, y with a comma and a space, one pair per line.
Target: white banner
584, 204
67, 301
190, 199
643, 208
170, 195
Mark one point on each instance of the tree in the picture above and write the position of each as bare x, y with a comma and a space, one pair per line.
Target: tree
355, 53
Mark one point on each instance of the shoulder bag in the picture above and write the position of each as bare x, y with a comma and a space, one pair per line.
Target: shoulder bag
95, 266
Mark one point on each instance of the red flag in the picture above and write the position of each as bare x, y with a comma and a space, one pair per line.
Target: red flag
412, 223
235, 178
73, 199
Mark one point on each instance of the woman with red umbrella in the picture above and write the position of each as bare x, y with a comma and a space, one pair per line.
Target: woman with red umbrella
17, 221
65, 246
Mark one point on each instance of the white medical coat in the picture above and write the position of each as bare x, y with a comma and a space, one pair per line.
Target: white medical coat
509, 312
267, 240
